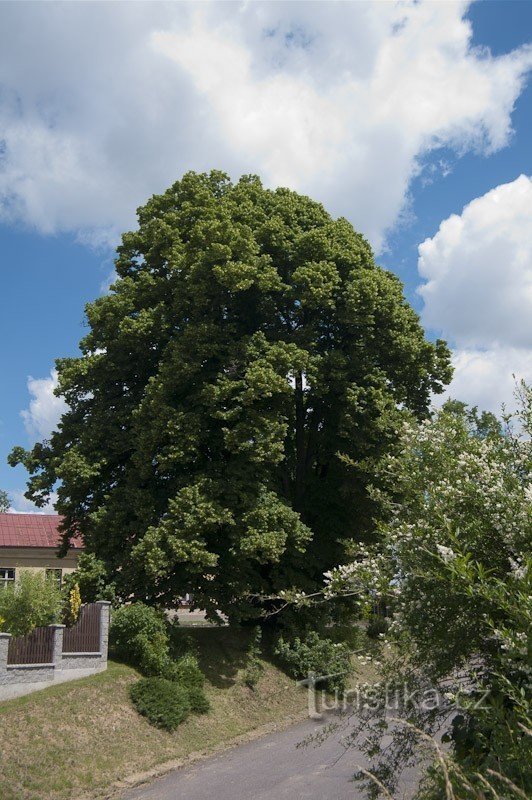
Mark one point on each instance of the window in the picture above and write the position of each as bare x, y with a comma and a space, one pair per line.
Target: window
7, 576
55, 575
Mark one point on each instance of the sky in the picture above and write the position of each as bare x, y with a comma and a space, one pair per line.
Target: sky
411, 119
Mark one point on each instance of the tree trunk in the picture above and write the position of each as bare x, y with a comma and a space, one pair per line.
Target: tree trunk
300, 443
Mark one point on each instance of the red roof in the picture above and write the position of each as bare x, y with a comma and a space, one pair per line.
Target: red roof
32, 530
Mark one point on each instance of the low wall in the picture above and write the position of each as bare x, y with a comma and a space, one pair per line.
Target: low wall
19, 679
84, 661
27, 673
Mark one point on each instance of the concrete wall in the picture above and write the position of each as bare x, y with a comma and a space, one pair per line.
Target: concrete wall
83, 661
19, 679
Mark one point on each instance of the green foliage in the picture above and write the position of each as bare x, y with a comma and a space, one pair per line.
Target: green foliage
254, 665
173, 688
186, 671
31, 602
198, 700
139, 636
316, 656
236, 391
91, 577
456, 568
71, 605
4, 501
165, 704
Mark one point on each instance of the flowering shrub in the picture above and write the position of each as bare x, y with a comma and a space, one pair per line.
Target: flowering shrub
455, 567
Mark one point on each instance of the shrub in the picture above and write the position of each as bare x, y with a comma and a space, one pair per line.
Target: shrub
318, 656
198, 700
164, 703
186, 671
454, 565
254, 666
139, 636
91, 577
34, 600
151, 654
71, 605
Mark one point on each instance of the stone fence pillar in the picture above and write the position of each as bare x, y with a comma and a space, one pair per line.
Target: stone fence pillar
105, 614
57, 652
4, 646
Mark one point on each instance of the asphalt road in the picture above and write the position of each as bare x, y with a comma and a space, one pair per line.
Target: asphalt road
270, 768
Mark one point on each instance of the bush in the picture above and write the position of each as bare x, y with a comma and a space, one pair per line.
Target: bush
455, 567
198, 700
151, 654
186, 671
254, 666
91, 577
164, 703
139, 636
71, 605
32, 601
377, 624
318, 656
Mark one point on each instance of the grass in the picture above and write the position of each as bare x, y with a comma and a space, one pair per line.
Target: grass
75, 739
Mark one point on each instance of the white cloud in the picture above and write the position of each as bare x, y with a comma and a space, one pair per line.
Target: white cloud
21, 505
45, 409
487, 378
478, 293
103, 104
478, 269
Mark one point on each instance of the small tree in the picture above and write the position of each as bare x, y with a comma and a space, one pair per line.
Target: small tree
34, 600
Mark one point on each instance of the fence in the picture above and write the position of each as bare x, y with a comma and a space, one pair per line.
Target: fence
35, 648
84, 636
55, 653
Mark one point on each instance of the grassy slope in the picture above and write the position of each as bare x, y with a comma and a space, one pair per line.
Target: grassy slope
77, 738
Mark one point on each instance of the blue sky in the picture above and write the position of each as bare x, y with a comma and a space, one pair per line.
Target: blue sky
397, 115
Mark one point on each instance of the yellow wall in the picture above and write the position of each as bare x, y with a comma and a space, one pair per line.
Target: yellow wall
36, 558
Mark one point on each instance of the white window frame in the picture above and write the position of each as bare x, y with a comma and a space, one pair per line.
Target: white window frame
7, 576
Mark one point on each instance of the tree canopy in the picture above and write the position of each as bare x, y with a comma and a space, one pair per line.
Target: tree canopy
236, 388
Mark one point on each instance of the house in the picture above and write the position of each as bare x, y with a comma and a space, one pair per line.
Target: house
31, 541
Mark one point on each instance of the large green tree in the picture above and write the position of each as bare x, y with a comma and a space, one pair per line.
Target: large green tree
236, 389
